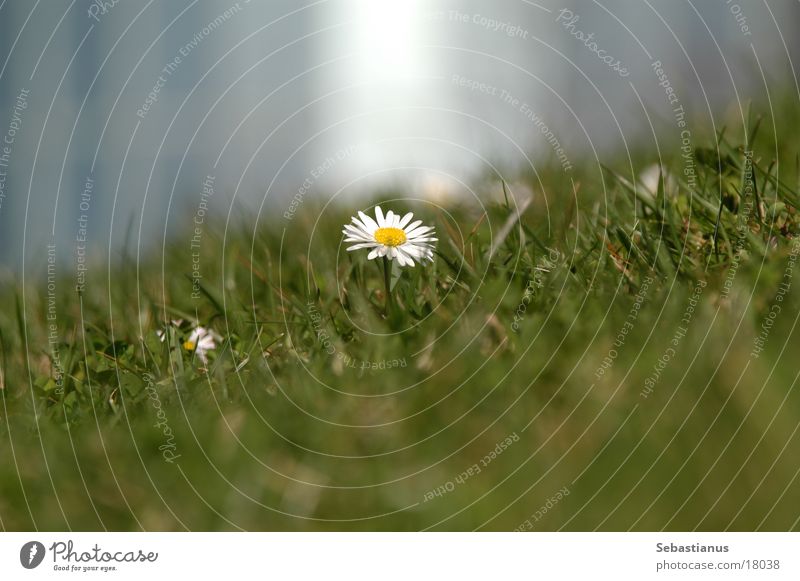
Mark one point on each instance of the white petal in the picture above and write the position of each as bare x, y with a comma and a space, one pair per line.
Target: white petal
357, 229
379, 217
417, 251
383, 250
411, 232
374, 254
413, 225
357, 235
362, 245
356, 223
403, 256
362, 227
363, 237
390, 217
359, 238
405, 220
369, 223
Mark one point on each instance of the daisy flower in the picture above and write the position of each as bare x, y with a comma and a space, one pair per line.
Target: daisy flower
391, 236
201, 340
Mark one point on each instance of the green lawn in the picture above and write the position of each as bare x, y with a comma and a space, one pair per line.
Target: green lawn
622, 358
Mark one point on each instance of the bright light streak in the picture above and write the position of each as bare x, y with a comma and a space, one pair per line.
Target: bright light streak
387, 39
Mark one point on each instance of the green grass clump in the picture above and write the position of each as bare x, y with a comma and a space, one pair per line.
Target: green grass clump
601, 343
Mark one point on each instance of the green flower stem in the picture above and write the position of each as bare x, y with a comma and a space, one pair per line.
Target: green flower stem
387, 281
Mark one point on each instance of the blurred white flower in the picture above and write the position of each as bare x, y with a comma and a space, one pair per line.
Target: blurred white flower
200, 341
652, 175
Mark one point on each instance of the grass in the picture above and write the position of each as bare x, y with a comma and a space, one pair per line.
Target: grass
587, 363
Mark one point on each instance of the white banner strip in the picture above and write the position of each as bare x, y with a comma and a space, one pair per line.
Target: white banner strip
401, 556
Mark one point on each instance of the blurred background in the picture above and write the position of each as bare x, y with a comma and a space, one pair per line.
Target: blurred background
130, 106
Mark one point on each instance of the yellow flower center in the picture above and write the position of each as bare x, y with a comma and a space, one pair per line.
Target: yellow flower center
390, 236
189, 345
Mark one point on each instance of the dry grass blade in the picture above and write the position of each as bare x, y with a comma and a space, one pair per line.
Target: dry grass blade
511, 221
